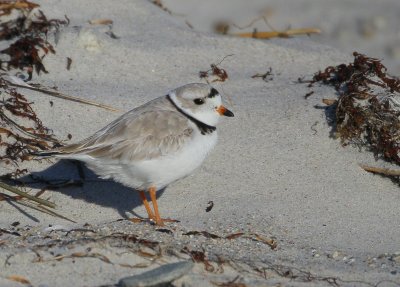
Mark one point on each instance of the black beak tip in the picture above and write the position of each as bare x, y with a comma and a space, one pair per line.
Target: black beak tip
228, 113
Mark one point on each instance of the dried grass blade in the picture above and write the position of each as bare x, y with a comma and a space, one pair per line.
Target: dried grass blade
27, 195
45, 210
56, 214
65, 97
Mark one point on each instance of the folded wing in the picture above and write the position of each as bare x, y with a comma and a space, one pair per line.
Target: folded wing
133, 137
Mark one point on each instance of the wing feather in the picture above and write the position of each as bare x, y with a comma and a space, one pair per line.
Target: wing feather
135, 136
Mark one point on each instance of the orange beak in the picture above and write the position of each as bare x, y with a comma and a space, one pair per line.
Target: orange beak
224, 111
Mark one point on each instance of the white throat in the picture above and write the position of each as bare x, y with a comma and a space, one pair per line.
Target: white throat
208, 116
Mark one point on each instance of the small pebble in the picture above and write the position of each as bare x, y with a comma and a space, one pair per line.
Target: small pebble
315, 253
335, 254
351, 260
55, 228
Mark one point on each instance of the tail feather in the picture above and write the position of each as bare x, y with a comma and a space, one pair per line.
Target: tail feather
59, 151
46, 153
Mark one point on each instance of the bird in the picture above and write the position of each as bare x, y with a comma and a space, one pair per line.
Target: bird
155, 144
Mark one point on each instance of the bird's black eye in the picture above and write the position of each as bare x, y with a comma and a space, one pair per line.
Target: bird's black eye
213, 93
198, 101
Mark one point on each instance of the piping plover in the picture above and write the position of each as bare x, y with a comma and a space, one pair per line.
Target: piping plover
155, 144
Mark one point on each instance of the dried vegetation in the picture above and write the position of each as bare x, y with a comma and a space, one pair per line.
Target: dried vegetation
21, 131
24, 31
367, 111
29, 27
215, 73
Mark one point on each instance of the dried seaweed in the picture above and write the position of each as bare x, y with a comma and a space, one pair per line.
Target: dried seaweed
2, 230
22, 133
31, 28
97, 255
368, 107
234, 235
306, 96
199, 256
219, 74
253, 236
164, 230
117, 238
24, 54
19, 140
267, 76
206, 234
161, 5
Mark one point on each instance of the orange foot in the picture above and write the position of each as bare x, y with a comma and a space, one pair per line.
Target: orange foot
153, 217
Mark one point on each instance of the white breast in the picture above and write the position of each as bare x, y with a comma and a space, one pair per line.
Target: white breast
166, 170
160, 172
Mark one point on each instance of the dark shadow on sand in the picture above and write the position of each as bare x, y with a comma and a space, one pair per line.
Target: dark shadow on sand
93, 189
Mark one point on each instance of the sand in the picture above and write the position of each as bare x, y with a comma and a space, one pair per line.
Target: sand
275, 172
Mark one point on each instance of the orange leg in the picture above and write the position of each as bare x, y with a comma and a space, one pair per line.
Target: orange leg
146, 205
153, 197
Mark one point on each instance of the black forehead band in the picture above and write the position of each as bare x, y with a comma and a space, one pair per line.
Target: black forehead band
213, 93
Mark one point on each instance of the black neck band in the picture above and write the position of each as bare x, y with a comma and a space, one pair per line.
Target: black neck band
204, 128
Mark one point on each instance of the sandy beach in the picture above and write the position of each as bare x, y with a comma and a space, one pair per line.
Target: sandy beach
275, 174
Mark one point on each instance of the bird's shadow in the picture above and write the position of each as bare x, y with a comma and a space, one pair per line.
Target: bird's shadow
75, 180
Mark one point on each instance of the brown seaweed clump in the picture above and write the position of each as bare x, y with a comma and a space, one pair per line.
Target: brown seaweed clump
21, 131
368, 107
28, 27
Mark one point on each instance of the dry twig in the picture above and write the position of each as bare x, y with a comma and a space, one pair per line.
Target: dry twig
279, 34
383, 171
19, 279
